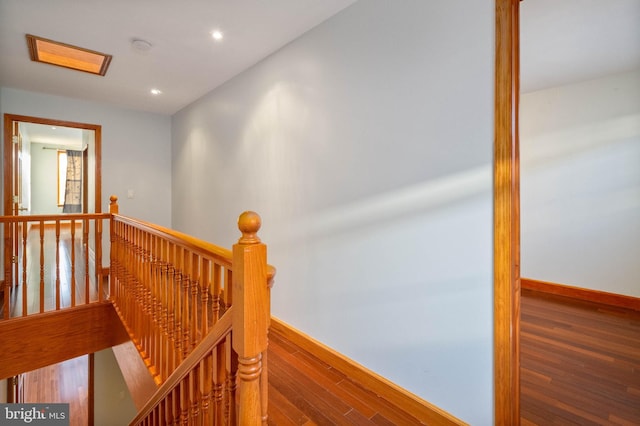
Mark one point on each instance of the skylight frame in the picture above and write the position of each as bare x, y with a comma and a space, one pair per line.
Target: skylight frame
67, 56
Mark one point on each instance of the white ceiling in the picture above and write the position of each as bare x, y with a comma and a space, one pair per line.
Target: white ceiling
565, 41
184, 62
57, 137
561, 42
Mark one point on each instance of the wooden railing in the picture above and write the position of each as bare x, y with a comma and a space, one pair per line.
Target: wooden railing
199, 316
35, 277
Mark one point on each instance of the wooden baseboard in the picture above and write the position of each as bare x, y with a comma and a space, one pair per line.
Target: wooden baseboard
412, 404
611, 299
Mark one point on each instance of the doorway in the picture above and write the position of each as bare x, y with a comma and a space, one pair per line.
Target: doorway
18, 189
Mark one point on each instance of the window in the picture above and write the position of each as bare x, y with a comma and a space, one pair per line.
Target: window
62, 176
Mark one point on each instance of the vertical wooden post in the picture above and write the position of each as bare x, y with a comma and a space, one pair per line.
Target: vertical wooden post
113, 205
250, 315
506, 208
113, 209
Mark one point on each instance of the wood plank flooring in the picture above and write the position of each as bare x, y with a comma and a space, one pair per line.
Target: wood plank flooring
26, 294
305, 391
66, 382
580, 362
580, 366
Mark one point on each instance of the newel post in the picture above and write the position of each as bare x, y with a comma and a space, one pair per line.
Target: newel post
250, 315
113, 204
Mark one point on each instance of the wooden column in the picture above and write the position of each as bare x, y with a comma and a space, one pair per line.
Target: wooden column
250, 316
506, 269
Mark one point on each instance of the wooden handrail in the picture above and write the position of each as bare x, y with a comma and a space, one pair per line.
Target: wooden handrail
48, 218
196, 245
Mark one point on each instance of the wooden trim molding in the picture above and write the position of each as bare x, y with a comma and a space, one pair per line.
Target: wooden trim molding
611, 299
506, 231
39, 340
412, 404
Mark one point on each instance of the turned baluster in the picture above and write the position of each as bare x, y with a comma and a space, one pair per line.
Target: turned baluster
24, 269
250, 315
215, 292
195, 301
85, 245
264, 377
184, 401
173, 302
184, 298
57, 265
41, 266
113, 210
98, 261
73, 262
164, 284
194, 395
7, 271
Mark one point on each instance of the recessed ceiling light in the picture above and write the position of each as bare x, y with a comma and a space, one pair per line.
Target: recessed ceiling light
156, 92
141, 45
217, 35
67, 56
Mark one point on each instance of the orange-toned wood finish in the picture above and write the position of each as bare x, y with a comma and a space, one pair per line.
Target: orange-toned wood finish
65, 382
10, 208
57, 336
603, 297
51, 249
178, 297
404, 400
506, 254
580, 362
67, 56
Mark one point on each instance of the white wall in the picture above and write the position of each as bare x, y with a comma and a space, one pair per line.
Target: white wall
580, 184
44, 175
112, 401
135, 148
366, 147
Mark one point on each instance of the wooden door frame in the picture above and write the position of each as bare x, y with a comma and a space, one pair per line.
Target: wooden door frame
8, 165
506, 228
9, 119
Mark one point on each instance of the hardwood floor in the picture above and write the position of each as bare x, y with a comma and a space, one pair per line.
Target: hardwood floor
41, 277
580, 362
580, 366
66, 382
305, 391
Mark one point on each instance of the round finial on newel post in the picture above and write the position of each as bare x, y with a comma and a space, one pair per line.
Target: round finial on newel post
113, 204
249, 224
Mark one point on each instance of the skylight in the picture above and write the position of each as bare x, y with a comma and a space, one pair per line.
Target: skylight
67, 56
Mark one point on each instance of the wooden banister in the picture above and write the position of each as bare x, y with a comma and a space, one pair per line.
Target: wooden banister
198, 314
44, 250
172, 291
